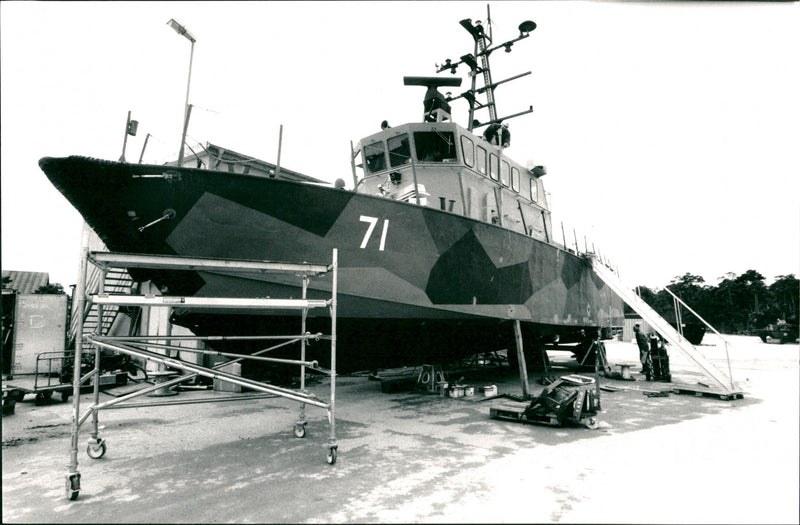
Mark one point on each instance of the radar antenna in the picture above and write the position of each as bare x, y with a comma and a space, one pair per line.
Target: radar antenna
435, 104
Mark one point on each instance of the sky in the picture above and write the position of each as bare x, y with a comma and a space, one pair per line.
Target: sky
669, 130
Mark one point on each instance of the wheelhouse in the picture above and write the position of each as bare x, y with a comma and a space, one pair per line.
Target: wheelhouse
444, 166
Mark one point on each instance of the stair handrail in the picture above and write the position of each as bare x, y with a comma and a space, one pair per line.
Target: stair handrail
92, 286
659, 323
727, 355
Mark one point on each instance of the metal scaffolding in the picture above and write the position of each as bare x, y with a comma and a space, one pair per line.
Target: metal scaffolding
143, 346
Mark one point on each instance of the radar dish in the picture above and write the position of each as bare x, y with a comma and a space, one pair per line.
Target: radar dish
527, 26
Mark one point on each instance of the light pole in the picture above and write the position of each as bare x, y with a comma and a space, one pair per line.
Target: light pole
184, 32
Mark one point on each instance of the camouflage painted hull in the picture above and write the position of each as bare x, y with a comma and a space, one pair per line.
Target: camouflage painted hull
415, 283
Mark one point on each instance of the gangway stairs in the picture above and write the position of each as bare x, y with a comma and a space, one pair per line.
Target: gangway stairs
725, 382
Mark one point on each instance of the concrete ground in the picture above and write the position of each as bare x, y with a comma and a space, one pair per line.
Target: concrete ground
412, 457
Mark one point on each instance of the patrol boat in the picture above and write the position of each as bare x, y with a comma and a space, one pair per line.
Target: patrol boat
444, 244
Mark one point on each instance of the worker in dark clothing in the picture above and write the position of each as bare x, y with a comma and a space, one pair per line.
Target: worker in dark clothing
644, 348
498, 134
491, 132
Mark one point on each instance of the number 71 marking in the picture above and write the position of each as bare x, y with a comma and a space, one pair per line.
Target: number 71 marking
372, 221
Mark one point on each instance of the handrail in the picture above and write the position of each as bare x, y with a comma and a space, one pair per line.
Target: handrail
121, 285
695, 313
41, 357
727, 355
589, 247
661, 325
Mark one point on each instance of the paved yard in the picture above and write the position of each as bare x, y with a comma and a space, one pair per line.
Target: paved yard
412, 457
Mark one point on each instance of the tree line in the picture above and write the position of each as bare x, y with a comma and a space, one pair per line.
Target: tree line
739, 304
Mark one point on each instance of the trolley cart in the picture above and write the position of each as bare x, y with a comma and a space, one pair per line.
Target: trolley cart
45, 382
23, 386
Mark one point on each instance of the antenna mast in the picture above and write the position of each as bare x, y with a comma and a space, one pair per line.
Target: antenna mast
482, 50
480, 45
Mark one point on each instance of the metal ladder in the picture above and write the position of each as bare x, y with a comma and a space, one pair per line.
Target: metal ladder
117, 281
660, 324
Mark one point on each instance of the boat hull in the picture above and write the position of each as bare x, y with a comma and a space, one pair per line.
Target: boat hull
414, 283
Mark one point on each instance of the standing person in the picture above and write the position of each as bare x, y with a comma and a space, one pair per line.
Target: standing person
644, 347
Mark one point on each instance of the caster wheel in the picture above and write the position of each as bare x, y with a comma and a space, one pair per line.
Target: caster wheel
96, 450
330, 457
591, 423
299, 431
73, 486
42, 398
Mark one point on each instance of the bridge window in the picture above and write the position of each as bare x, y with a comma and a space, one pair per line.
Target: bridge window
468, 149
480, 160
534, 190
435, 146
514, 179
494, 166
399, 150
375, 157
504, 169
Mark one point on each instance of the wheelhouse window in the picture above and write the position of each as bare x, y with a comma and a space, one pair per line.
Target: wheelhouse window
494, 166
375, 156
515, 179
399, 150
534, 190
435, 146
504, 171
480, 160
468, 150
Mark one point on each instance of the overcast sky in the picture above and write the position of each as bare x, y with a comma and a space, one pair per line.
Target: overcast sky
669, 130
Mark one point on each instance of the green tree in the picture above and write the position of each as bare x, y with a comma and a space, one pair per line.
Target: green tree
783, 301
738, 304
738, 300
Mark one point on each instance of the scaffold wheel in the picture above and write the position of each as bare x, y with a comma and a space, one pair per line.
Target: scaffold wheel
591, 422
73, 486
96, 450
299, 430
330, 457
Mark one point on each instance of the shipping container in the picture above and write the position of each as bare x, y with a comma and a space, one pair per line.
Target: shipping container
34, 324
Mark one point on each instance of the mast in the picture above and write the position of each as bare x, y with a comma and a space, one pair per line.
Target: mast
487, 72
482, 49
